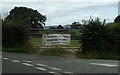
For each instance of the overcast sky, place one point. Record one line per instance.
(65, 12)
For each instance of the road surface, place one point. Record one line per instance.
(26, 63)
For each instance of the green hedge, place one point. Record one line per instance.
(14, 35)
(100, 37)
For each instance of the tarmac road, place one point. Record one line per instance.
(26, 63)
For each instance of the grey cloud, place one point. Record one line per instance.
(64, 12)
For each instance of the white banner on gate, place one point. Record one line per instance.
(56, 39)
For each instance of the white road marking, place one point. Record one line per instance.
(40, 68)
(106, 65)
(27, 61)
(15, 61)
(52, 72)
(67, 72)
(54, 68)
(41, 65)
(27, 64)
(5, 58)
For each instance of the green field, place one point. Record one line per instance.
(76, 31)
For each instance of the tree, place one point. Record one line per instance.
(15, 26)
(26, 16)
(117, 19)
(75, 25)
(52, 27)
(60, 27)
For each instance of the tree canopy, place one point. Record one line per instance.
(52, 27)
(60, 27)
(117, 19)
(75, 25)
(24, 15)
(15, 25)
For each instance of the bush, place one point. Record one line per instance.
(100, 40)
(95, 36)
(114, 30)
(14, 35)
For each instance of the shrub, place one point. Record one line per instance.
(14, 35)
(114, 31)
(95, 36)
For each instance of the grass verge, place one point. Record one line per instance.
(53, 52)
(18, 49)
(98, 55)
